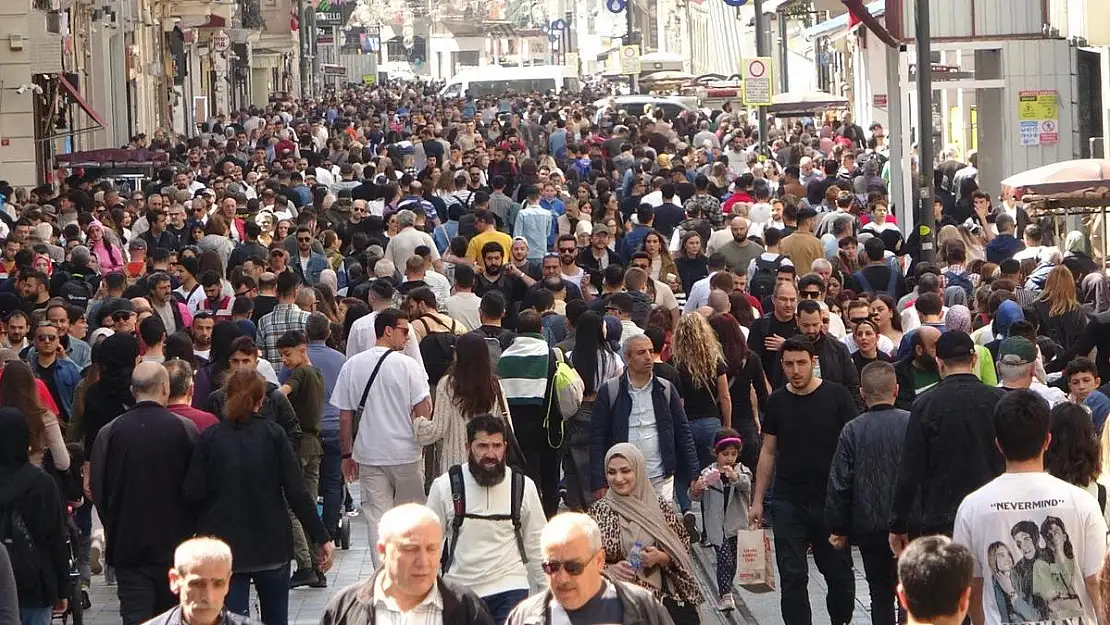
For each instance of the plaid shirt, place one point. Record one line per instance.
(284, 318)
(706, 207)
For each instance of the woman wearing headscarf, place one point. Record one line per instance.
(1095, 293)
(109, 254)
(110, 396)
(959, 318)
(638, 525)
(32, 493)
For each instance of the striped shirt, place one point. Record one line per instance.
(387, 612)
(285, 317)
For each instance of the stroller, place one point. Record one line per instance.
(78, 596)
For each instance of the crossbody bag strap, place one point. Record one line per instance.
(366, 391)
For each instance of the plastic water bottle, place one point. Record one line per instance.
(635, 556)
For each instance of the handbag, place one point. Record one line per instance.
(684, 612)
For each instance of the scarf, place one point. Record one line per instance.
(524, 369)
(642, 515)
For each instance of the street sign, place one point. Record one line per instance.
(1038, 117)
(630, 60)
(758, 81)
(221, 42)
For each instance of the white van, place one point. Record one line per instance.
(494, 80)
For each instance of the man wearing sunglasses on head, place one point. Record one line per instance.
(577, 592)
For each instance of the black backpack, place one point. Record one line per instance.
(437, 349)
(16, 537)
(458, 500)
(766, 272)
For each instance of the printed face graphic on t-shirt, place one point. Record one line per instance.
(1034, 574)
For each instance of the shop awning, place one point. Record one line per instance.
(841, 22)
(81, 102)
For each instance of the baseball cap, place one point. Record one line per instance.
(137, 244)
(600, 229)
(955, 344)
(1017, 350)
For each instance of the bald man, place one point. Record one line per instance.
(740, 252)
(410, 539)
(138, 467)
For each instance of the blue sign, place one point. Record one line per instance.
(616, 6)
(559, 24)
(736, 3)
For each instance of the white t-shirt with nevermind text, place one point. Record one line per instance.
(385, 435)
(1035, 538)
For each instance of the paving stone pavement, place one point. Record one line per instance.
(306, 605)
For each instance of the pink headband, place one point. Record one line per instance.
(724, 442)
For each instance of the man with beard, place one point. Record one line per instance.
(834, 361)
(918, 372)
(769, 331)
(494, 519)
(509, 280)
(553, 280)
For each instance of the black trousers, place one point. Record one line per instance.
(880, 567)
(143, 592)
(542, 460)
(799, 525)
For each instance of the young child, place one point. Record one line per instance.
(724, 490)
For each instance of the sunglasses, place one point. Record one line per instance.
(574, 568)
(49, 338)
(811, 294)
(568, 250)
(304, 239)
(404, 331)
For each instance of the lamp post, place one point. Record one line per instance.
(925, 219)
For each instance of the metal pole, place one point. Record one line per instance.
(761, 50)
(302, 34)
(925, 219)
(635, 78)
(784, 52)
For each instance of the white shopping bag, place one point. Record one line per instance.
(755, 564)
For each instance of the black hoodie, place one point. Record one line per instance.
(32, 495)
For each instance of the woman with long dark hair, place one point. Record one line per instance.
(111, 395)
(691, 261)
(596, 363)
(747, 385)
(46, 433)
(1074, 455)
(210, 377)
(468, 389)
(242, 474)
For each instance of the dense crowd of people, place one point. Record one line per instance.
(488, 311)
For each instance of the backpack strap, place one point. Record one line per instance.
(514, 511)
(458, 501)
(862, 280)
(366, 391)
(893, 281)
(1101, 497)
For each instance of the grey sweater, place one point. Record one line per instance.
(725, 506)
(9, 600)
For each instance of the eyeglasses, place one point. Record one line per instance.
(811, 294)
(574, 568)
(49, 338)
(404, 331)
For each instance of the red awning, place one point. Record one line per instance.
(73, 93)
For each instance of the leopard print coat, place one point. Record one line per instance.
(681, 584)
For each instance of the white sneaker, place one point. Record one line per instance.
(726, 603)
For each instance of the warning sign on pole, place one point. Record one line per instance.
(758, 81)
(630, 59)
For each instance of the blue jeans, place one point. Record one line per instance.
(702, 429)
(331, 479)
(35, 616)
(502, 603)
(272, 587)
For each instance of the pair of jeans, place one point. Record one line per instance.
(37, 616)
(702, 430)
(502, 603)
(331, 480)
(799, 525)
(143, 592)
(272, 588)
(881, 569)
